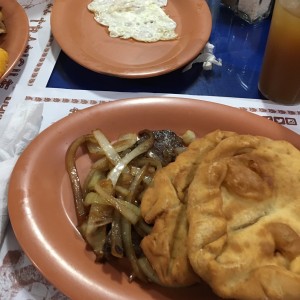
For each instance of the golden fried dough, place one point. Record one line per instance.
(3, 53)
(3, 61)
(2, 25)
(243, 213)
(164, 205)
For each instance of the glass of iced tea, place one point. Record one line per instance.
(280, 75)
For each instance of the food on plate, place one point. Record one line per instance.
(2, 24)
(243, 212)
(3, 53)
(142, 20)
(3, 61)
(109, 198)
(239, 199)
(223, 209)
(164, 204)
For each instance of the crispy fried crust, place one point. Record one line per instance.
(243, 213)
(228, 211)
(164, 205)
(2, 25)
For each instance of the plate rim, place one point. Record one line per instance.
(14, 4)
(111, 70)
(129, 103)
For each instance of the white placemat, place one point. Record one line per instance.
(37, 62)
(67, 100)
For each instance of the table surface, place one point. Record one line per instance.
(240, 46)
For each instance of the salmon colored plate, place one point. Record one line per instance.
(89, 44)
(16, 38)
(41, 204)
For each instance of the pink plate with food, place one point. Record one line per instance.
(89, 44)
(15, 39)
(41, 205)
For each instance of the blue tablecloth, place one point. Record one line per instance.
(240, 46)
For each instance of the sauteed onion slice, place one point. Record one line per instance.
(107, 203)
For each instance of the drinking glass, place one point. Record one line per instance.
(280, 75)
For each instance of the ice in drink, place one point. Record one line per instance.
(280, 75)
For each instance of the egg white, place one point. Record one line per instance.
(142, 20)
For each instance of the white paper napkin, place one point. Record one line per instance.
(17, 129)
(206, 57)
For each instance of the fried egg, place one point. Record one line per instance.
(142, 20)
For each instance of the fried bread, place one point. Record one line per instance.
(164, 204)
(227, 211)
(243, 213)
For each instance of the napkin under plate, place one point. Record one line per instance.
(17, 129)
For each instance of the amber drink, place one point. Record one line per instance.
(280, 76)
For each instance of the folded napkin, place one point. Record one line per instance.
(206, 57)
(17, 129)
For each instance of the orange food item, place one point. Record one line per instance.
(3, 61)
